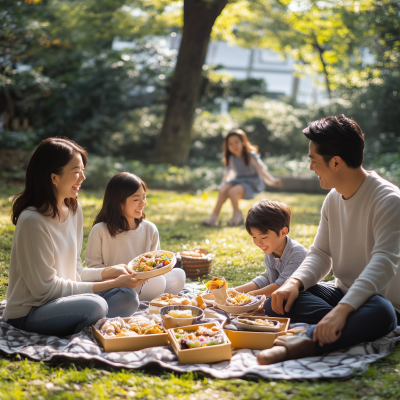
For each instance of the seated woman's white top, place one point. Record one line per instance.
(103, 250)
(45, 262)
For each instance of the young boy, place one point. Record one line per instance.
(268, 222)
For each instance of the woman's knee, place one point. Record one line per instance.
(94, 308)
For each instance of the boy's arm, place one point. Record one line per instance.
(266, 291)
(247, 287)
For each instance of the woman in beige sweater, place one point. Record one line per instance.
(49, 291)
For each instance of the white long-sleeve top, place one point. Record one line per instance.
(103, 250)
(360, 239)
(45, 262)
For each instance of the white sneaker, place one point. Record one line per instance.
(237, 219)
(212, 220)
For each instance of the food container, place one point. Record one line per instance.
(130, 343)
(258, 328)
(155, 272)
(242, 309)
(201, 355)
(172, 322)
(257, 340)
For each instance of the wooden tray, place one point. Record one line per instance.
(201, 355)
(130, 343)
(256, 340)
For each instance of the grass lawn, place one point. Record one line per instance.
(178, 218)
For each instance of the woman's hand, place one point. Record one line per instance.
(115, 271)
(128, 281)
(277, 182)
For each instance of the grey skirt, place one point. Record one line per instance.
(252, 185)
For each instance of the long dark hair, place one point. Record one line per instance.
(51, 156)
(247, 146)
(120, 187)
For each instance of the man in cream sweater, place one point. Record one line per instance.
(358, 238)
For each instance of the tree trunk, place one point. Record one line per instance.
(173, 144)
(321, 57)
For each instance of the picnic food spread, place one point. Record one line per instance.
(237, 299)
(149, 262)
(202, 337)
(180, 313)
(140, 325)
(257, 322)
(216, 283)
(167, 299)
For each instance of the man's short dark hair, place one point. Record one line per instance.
(337, 136)
(268, 215)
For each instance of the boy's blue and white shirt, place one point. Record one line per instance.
(277, 270)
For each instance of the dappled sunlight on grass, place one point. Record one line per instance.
(178, 217)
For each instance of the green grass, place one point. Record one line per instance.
(178, 218)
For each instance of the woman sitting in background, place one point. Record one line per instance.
(49, 291)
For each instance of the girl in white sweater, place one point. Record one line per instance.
(120, 233)
(49, 291)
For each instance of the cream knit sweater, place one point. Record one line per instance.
(103, 250)
(45, 262)
(359, 239)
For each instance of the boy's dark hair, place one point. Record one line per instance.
(337, 136)
(268, 215)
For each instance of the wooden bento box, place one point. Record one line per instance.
(201, 355)
(256, 340)
(130, 343)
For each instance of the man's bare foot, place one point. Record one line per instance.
(288, 348)
(272, 356)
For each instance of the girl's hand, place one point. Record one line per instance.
(115, 271)
(128, 281)
(277, 182)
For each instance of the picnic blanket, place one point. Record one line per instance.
(244, 362)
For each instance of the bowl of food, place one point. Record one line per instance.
(240, 303)
(153, 263)
(258, 324)
(175, 316)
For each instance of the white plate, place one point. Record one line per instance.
(255, 328)
(210, 299)
(241, 309)
(156, 272)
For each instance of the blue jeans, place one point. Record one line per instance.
(374, 319)
(68, 315)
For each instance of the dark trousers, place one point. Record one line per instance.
(374, 319)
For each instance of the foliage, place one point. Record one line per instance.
(238, 259)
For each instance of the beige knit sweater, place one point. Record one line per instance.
(359, 239)
(45, 262)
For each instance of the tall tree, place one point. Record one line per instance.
(174, 141)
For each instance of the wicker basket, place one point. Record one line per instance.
(196, 267)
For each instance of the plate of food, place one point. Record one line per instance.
(175, 316)
(168, 299)
(258, 324)
(153, 263)
(231, 301)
